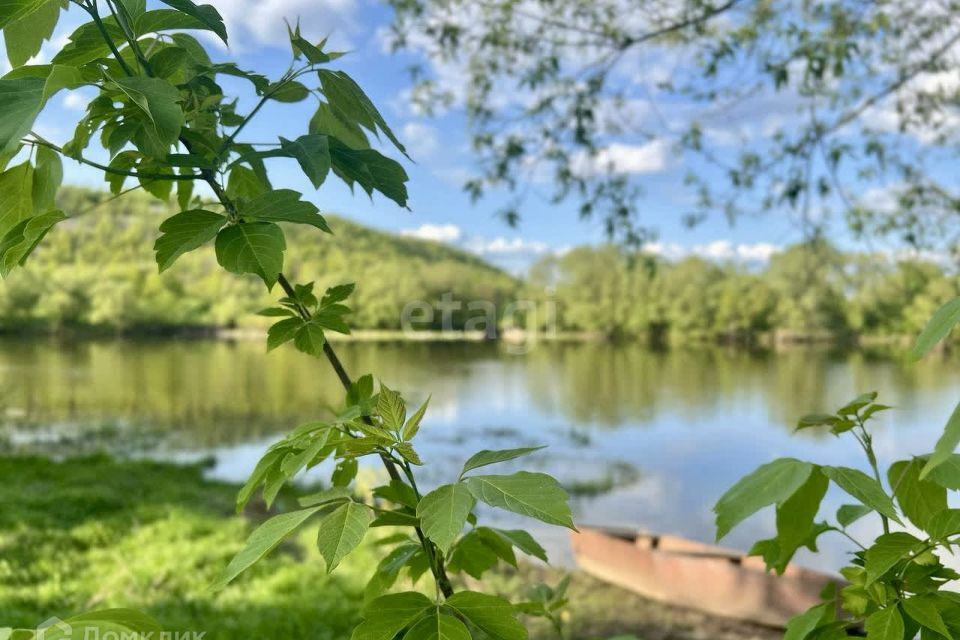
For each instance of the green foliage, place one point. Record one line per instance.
(808, 291)
(100, 258)
(897, 582)
(106, 621)
(163, 119)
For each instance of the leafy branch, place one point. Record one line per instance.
(162, 116)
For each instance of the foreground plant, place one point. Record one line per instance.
(163, 120)
(898, 585)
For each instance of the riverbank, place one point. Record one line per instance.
(95, 532)
(778, 340)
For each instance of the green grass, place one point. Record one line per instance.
(94, 533)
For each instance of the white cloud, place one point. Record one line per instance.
(261, 22)
(624, 158)
(76, 100)
(435, 232)
(420, 139)
(456, 176)
(717, 250)
(506, 246)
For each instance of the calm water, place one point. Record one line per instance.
(665, 432)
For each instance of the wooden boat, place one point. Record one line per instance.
(699, 576)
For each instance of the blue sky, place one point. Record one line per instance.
(440, 209)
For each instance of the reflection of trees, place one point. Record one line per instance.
(612, 385)
(217, 392)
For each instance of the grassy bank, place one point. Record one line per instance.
(94, 533)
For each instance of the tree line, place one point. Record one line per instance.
(100, 275)
(809, 291)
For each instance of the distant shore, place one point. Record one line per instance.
(775, 340)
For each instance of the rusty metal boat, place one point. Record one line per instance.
(699, 576)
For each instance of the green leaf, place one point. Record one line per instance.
(487, 457)
(472, 554)
(937, 328)
(923, 609)
(523, 541)
(185, 231)
(47, 177)
(204, 13)
(13, 10)
(87, 43)
(26, 35)
(849, 513)
(864, 488)
(398, 493)
(947, 473)
(351, 104)
(816, 420)
(852, 407)
(438, 626)
(282, 332)
(409, 454)
(800, 627)
(160, 102)
(388, 615)
(944, 524)
(344, 472)
(370, 169)
(333, 494)
(254, 247)
(339, 293)
(795, 518)
(313, 154)
(886, 624)
(919, 500)
(769, 484)
(443, 513)
(256, 478)
(309, 339)
(391, 408)
(535, 495)
(494, 616)
(887, 551)
(328, 122)
(20, 102)
(289, 91)
(412, 426)
(16, 196)
(17, 245)
(245, 184)
(342, 531)
(262, 541)
(61, 77)
(946, 444)
(284, 205)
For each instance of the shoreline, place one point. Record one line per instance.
(776, 340)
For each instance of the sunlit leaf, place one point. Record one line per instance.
(443, 513)
(341, 531)
(185, 232)
(262, 541)
(535, 495)
(254, 247)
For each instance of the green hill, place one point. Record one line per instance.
(97, 271)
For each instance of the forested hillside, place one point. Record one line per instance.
(97, 270)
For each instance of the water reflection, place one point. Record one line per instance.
(688, 422)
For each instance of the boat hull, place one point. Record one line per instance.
(698, 576)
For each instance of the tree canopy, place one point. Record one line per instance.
(802, 108)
